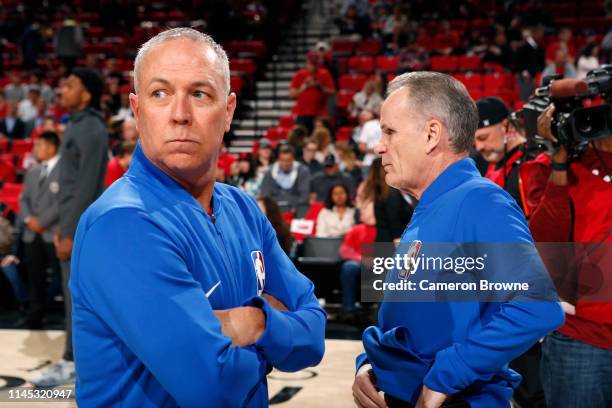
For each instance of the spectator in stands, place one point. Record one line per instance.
(322, 136)
(32, 44)
(323, 181)
(119, 164)
(39, 208)
(48, 125)
(3, 105)
(11, 126)
(367, 137)
(287, 181)
(129, 131)
(9, 262)
(27, 109)
(588, 60)
(112, 97)
(351, 251)
(338, 216)
(15, 91)
(37, 80)
(84, 156)
(446, 40)
(68, 42)
(125, 111)
(251, 181)
(273, 213)
(476, 42)
(529, 60)
(564, 42)
(347, 161)
(308, 156)
(311, 86)
(225, 158)
(265, 157)
(499, 52)
(296, 137)
(561, 66)
(412, 57)
(352, 23)
(367, 99)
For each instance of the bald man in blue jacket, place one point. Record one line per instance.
(182, 295)
(450, 353)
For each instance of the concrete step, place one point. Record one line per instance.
(284, 66)
(249, 133)
(280, 93)
(244, 141)
(280, 76)
(238, 150)
(265, 105)
(254, 124)
(270, 85)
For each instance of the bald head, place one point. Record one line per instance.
(208, 46)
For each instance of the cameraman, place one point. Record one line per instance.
(499, 142)
(575, 205)
(502, 145)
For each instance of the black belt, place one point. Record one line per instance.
(393, 402)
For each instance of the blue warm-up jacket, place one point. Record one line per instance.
(460, 348)
(146, 255)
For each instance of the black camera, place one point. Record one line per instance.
(573, 124)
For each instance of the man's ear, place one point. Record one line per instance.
(433, 129)
(134, 105)
(229, 110)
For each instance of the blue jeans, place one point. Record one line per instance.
(575, 374)
(350, 273)
(12, 275)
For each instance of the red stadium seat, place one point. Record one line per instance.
(471, 81)
(496, 82)
(470, 63)
(361, 64)
(387, 63)
(8, 173)
(391, 77)
(286, 121)
(444, 63)
(243, 65)
(3, 145)
(368, 47)
(277, 133)
(344, 97)
(492, 67)
(344, 134)
(21, 147)
(236, 84)
(353, 82)
(343, 47)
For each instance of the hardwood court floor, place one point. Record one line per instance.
(327, 385)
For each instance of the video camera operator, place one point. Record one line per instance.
(574, 204)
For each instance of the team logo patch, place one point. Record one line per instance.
(413, 252)
(260, 270)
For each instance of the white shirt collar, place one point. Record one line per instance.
(51, 163)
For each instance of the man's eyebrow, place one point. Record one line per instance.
(196, 84)
(387, 129)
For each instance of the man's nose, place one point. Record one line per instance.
(181, 110)
(380, 148)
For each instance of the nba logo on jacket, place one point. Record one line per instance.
(260, 270)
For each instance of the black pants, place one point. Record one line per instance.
(39, 256)
(393, 402)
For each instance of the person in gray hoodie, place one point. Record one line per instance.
(82, 167)
(287, 181)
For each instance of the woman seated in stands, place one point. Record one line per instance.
(273, 213)
(338, 216)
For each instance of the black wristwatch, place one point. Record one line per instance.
(559, 166)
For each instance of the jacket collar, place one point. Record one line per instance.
(144, 171)
(454, 175)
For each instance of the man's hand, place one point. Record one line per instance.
(63, 247)
(364, 390)
(544, 130)
(9, 260)
(34, 225)
(244, 325)
(274, 302)
(430, 398)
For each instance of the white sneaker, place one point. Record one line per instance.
(62, 372)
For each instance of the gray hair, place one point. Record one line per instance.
(183, 32)
(442, 97)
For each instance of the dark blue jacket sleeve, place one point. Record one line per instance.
(515, 327)
(133, 276)
(292, 339)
